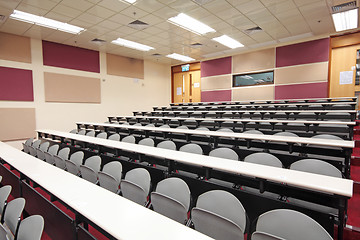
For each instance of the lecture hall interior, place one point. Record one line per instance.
(179, 119)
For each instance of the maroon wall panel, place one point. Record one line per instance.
(298, 91)
(64, 56)
(216, 96)
(303, 53)
(216, 67)
(16, 84)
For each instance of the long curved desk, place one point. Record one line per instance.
(116, 215)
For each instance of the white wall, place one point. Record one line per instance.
(119, 95)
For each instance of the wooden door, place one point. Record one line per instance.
(195, 88)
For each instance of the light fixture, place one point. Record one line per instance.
(190, 24)
(130, 1)
(180, 57)
(131, 44)
(45, 22)
(228, 41)
(345, 20)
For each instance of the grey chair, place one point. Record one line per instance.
(191, 148)
(264, 236)
(136, 185)
(89, 171)
(31, 228)
(224, 152)
(4, 194)
(147, 142)
(49, 155)
(102, 135)
(32, 151)
(12, 216)
(110, 176)
(128, 139)
(220, 215)
(164, 126)
(150, 125)
(167, 144)
(27, 143)
(59, 159)
(182, 127)
(263, 159)
(90, 133)
(73, 163)
(172, 199)
(114, 137)
(82, 132)
(36, 143)
(40, 152)
(290, 224)
(286, 134)
(75, 131)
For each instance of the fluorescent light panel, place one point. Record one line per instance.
(131, 44)
(45, 22)
(228, 41)
(190, 24)
(130, 1)
(180, 57)
(345, 20)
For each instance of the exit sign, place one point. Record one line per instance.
(185, 68)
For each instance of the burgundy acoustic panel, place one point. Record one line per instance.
(16, 84)
(216, 96)
(303, 53)
(64, 56)
(298, 91)
(216, 67)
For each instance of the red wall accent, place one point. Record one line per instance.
(64, 56)
(216, 96)
(216, 67)
(298, 91)
(16, 84)
(303, 53)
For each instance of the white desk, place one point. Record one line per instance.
(116, 215)
(245, 120)
(329, 185)
(262, 111)
(272, 138)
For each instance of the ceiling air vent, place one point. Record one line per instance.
(2, 18)
(156, 55)
(138, 25)
(196, 45)
(98, 41)
(344, 7)
(253, 30)
(202, 2)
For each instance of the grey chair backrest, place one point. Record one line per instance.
(286, 134)
(191, 148)
(74, 131)
(44, 146)
(102, 135)
(264, 236)
(77, 157)
(124, 123)
(202, 129)
(182, 127)
(150, 125)
(129, 139)
(110, 176)
(137, 124)
(224, 152)
(26, 148)
(13, 212)
(60, 162)
(327, 136)
(136, 185)
(32, 151)
(167, 145)
(53, 149)
(4, 194)
(263, 159)
(316, 166)
(90, 134)
(36, 143)
(73, 164)
(172, 199)
(29, 141)
(224, 130)
(40, 154)
(90, 169)
(114, 137)
(82, 132)
(253, 132)
(64, 153)
(290, 224)
(147, 142)
(31, 228)
(164, 126)
(222, 209)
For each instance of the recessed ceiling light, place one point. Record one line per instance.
(45, 22)
(228, 41)
(130, 1)
(345, 20)
(190, 24)
(180, 57)
(131, 44)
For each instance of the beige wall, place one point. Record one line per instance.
(119, 95)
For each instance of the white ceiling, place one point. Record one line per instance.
(281, 21)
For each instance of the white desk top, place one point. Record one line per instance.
(243, 120)
(273, 138)
(265, 111)
(316, 182)
(116, 215)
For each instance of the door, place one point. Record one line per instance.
(186, 87)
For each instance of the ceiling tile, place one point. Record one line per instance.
(153, 30)
(109, 24)
(151, 19)
(81, 5)
(31, 9)
(126, 30)
(45, 4)
(80, 23)
(67, 11)
(38, 32)
(183, 5)
(149, 5)
(9, 4)
(121, 19)
(247, 7)
(15, 27)
(112, 5)
(100, 11)
(228, 13)
(282, 6)
(59, 37)
(198, 13)
(87, 17)
(134, 12)
(166, 13)
(58, 17)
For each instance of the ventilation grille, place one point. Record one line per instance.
(252, 30)
(156, 55)
(98, 41)
(344, 7)
(196, 45)
(138, 25)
